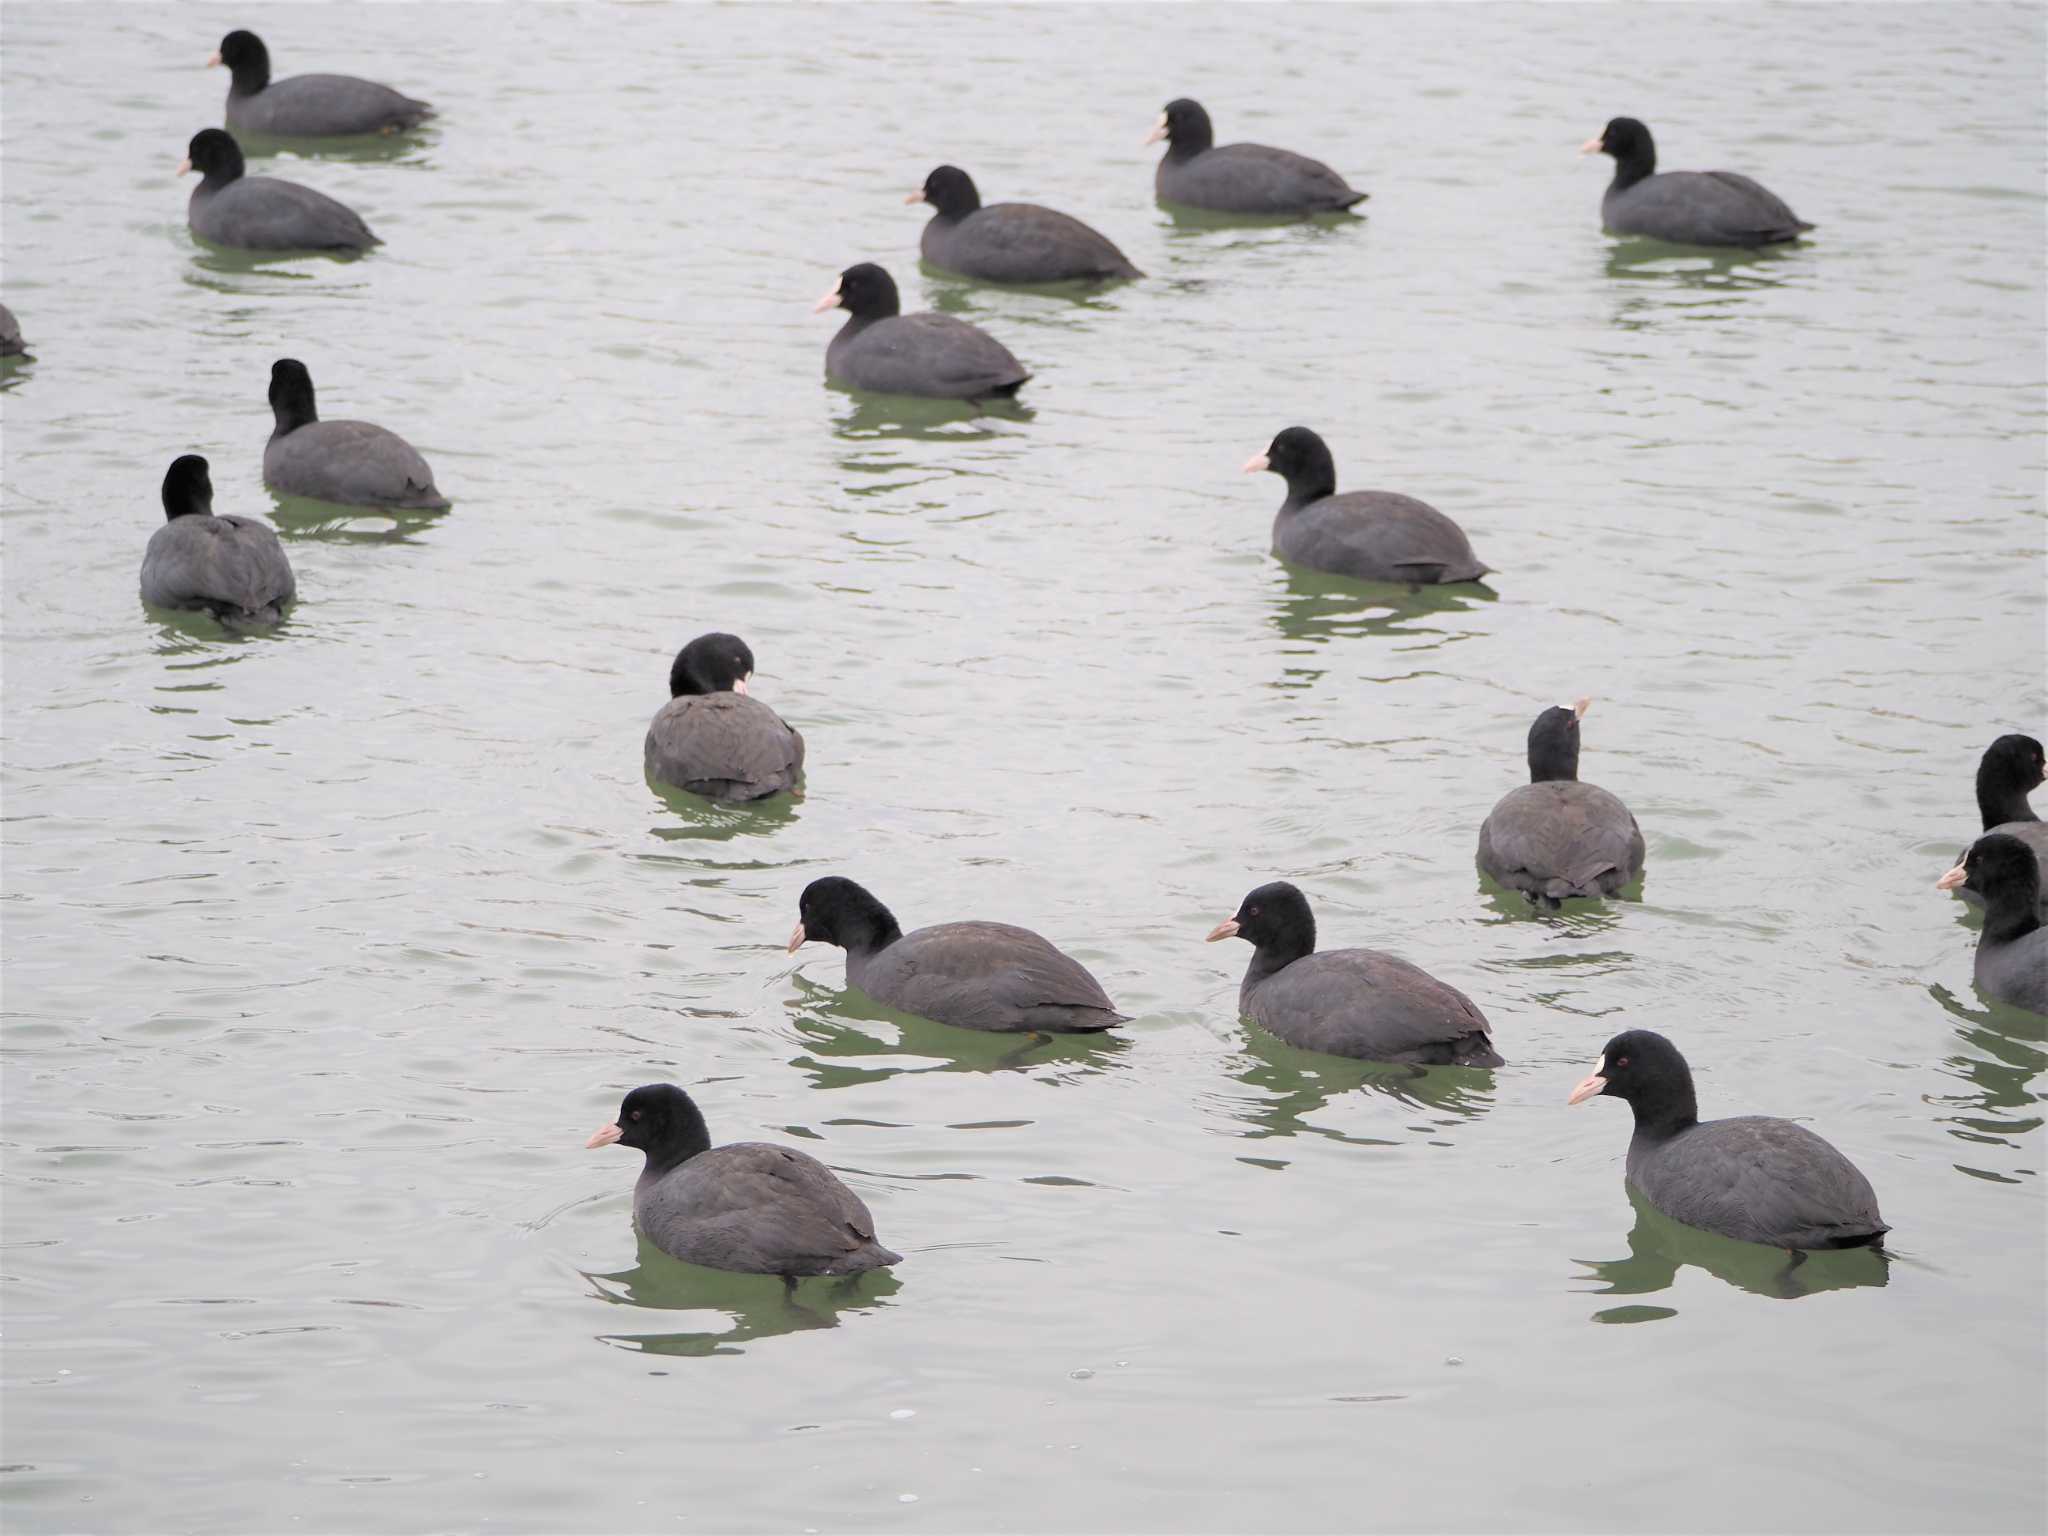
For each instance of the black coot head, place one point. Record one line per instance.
(1302, 459)
(214, 154)
(950, 191)
(291, 392)
(1628, 141)
(246, 58)
(2011, 765)
(711, 664)
(1276, 916)
(864, 291)
(188, 488)
(660, 1120)
(838, 911)
(1184, 125)
(2003, 870)
(1554, 742)
(1640, 1066)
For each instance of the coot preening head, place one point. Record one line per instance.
(713, 663)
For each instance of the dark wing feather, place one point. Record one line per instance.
(1759, 1180)
(261, 213)
(232, 566)
(989, 976)
(1560, 839)
(1377, 536)
(1367, 1004)
(355, 463)
(729, 746)
(1022, 243)
(924, 354)
(761, 1209)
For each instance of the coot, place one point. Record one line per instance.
(1239, 178)
(11, 344)
(307, 106)
(1685, 207)
(2011, 768)
(1009, 242)
(350, 462)
(232, 567)
(1372, 535)
(712, 737)
(261, 213)
(1348, 1002)
(922, 354)
(1754, 1178)
(2012, 952)
(973, 975)
(751, 1206)
(1556, 838)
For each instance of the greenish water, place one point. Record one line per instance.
(325, 951)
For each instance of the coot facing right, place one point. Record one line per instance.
(1556, 838)
(749, 1206)
(1239, 178)
(1754, 1178)
(1685, 207)
(2012, 952)
(712, 737)
(1348, 1002)
(307, 106)
(926, 354)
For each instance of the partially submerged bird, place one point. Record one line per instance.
(714, 738)
(307, 106)
(923, 354)
(750, 1206)
(974, 975)
(2012, 951)
(1685, 207)
(1370, 535)
(11, 344)
(1349, 1002)
(2012, 768)
(353, 463)
(1556, 837)
(232, 567)
(1009, 242)
(1239, 178)
(262, 213)
(1754, 1178)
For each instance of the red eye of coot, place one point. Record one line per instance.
(1619, 1061)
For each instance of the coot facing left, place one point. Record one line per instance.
(2012, 951)
(1685, 207)
(927, 354)
(262, 213)
(307, 106)
(1010, 242)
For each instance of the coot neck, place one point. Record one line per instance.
(866, 934)
(2013, 913)
(1310, 482)
(1275, 955)
(249, 77)
(1554, 761)
(686, 1138)
(1638, 165)
(291, 410)
(1664, 1110)
(1999, 803)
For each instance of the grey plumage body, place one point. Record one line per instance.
(322, 106)
(232, 567)
(1701, 208)
(758, 1209)
(1559, 839)
(354, 463)
(1376, 536)
(988, 976)
(1021, 243)
(1252, 178)
(2015, 971)
(727, 746)
(1759, 1180)
(261, 213)
(923, 354)
(1367, 1004)
(11, 344)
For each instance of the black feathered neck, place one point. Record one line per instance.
(188, 489)
(291, 395)
(2004, 871)
(663, 1122)
(247, 60)
(2009, 772)
(1554, 746)
(1646, 1070)
(838, 911)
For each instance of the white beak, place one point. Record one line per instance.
(831, 299)
(739, 684)
(797, 939)
(184, 165)
(1580, 706)
(1594, 145)
(1593, 1084)
(213, 59)
(1158, 130)
(1257, 462)
(914, 197)
(1952, 879)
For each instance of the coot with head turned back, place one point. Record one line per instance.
(1370, 535)
(1685, 207)
(2012, 952)
(1239, 178)
(354, 463)
(307, 106)
(714, 738)
(923, 354)
(749, 1206)
(1556, 838)
(1348, 1002)
(232, 567)
(261, 213)
(1753, 1178)
(975, 975)
(1010, 242)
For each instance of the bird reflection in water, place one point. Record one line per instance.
(1659, 1247)
(1292, 1086)
(750, 1306)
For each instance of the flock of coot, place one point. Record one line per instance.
(773, 1210)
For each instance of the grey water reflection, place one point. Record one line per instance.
(750, 1307)
(1659, 1247)
(301, 519)
(360, 149)
(1186, 220)
(1316, 608)
(2003, 1050)
(706, 820)
(1290, 1086)
(866, 416)
(851, 1039)
(1574, 915)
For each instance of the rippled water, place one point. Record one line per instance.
(325, 950)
